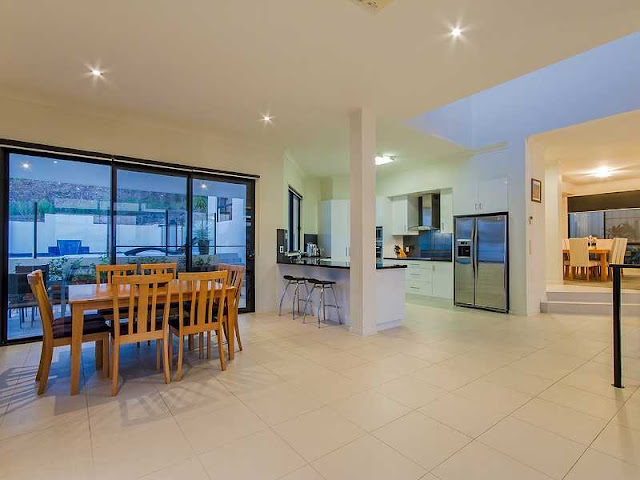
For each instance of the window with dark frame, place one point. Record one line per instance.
(295, 224)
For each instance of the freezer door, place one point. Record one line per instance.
(491, 262)
(464, 261)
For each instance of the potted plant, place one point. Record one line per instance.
(202, 240)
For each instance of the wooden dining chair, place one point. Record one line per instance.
(107, 272)
(579, 257)
(143, 321)
(566, 264)
(56, 332)
(618, 252)
(235, 278)
(200, 312)
(160, 269)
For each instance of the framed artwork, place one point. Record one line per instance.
(536, 190)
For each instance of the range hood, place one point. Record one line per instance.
(428, 212)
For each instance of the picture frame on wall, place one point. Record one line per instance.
(536, 190)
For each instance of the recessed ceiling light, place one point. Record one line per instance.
(266, 118)
(602, 172)
(26, 165)
(384, 159)
(95, 72)
(456, 32)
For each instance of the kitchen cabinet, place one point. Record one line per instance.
(383, 212)
(429, 279)
(334, 235)
(484, 196)
(446, 211)
(404, 214)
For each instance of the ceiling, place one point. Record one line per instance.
(223, 63)
(612, 142)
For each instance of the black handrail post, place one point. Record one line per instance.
(617, 327)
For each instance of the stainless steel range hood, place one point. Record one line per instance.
(429, 212)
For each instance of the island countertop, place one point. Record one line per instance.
(328, 263)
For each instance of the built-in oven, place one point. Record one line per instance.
(379, 244)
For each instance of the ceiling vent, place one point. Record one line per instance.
(373, 5)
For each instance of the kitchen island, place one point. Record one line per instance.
(390, 288)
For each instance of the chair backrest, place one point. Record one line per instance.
(619, 250)
(235, 278)
(579, 252)
(110, 271)
(36, 282)
(204, 291)
(160, 269)
(604, 243)
(143, 303)
(565, 244)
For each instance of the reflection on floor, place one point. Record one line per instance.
(453, 392)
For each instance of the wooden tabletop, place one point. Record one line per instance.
(591, 250)
(91, 292)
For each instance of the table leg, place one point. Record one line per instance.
(231, 340)
(77, 320)
(604, 266)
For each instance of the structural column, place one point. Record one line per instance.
(363, 229)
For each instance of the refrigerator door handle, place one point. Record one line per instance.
(474, 257)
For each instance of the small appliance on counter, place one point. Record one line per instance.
(312, 250)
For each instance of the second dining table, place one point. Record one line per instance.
(86, 297)
(602, 254)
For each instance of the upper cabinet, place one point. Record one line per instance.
(485, 196)
(334, 229)
(404, 214)
(446, 211)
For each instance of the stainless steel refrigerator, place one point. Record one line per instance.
(481, 262)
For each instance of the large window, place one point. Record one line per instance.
(59, 220)
(295, 214)
(151, 217)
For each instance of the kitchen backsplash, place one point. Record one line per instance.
(429, 244)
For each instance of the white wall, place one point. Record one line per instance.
(56, 122)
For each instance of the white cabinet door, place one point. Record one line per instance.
(493, 195)
(383, 212)
(446, 212)
(465, 200)
(442, 279)
(404, 214)
(340, 229)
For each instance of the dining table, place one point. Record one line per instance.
(87, 297)
(602, 254)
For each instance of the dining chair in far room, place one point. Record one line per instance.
(236, 274)
(618, 252)
(579, 257)
(160, 269)
(147, 295)
(604, 244)
(107, 272)
(56, 332)
(200, 311)
(565, 257)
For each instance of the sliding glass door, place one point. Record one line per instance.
(59, 216)
(150, 217)
(223, 228)
(64, 214)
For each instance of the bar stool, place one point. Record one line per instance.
(322, 286)
(296, 282)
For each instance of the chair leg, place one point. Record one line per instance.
(42, 356)
(115, 368)
(46, 365)
(237, 330)
(165, 360)
(170, 346)
(588, 272)
(105, 357)
(223, 362)
(190, 343)
(98, 354)
(200, 345)
(209, 345)
(180, 356)
(158, 354)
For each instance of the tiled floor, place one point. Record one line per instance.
(451, 395)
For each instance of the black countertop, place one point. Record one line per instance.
(328, 263)
(422, 259)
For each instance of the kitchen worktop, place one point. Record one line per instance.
(422, 259)
(328, 263)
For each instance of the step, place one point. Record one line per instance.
(588, 308)
(596, 296)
